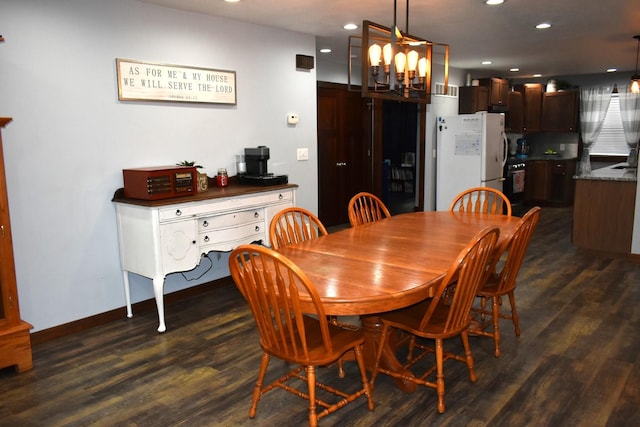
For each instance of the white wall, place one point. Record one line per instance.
(70, 137)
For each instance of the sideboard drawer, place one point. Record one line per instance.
(246, 233)
(223, 205)
(229, 220)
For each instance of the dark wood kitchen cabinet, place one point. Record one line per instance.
(498, 90)
(15, 340)
(550, 182)
(536, 181)
(514, 117)
(560, 111)
(472, 99)
(603, 215)
(531, 106)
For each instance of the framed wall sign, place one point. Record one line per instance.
(145, 81)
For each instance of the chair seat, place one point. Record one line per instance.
(491, 287)
(412, 316)
(342, 340)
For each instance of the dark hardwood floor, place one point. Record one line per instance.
(577, 362)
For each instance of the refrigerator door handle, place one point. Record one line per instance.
(505, 148)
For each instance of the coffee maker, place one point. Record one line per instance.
(257, 174)
(256, 160)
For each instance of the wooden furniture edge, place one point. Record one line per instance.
(212, 192)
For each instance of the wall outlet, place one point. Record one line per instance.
(561, 147)
(302, 154)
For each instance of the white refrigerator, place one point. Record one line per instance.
(471, 151)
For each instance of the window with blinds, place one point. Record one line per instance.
(611, 140)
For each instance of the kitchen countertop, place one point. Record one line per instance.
(516, 159)
(617, 172)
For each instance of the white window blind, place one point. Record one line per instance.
(611, 140)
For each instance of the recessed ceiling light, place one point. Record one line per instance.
(232, 1)
(350, 27)
(611, 70)
(514, 70)
(493, 2)
(543, 26)
(325, 50)
(537, 75)
(487, 62)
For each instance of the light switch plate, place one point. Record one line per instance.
(303, 154)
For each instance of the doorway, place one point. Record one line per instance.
(399, 150)
(367, 145)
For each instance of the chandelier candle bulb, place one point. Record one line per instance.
(412, 60)
(375, 52)
(386, 53)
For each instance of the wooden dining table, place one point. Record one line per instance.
(387, 265)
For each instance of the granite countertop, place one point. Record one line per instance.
(617, 172)
(516, 159)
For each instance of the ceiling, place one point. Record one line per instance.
(586, 37)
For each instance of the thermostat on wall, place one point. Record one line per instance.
(292, 119)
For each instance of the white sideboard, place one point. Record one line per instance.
(166, 236)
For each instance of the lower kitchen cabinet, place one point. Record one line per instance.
(603, 215)
(550, 182)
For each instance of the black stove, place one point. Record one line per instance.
(514, 173)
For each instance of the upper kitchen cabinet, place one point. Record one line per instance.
(513, 122)
(472, 99)
(560, 111)
(531, 106)
(498, 90)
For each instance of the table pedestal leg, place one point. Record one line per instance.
(372, 329)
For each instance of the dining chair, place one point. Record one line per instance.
(445, 315)
(481, 199)
(294, 225)
(366, 207)
(272, 284)
(498, 284)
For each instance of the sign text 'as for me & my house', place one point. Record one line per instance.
(143, 81)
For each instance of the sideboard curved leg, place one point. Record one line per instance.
(127, 293)
(158, 291)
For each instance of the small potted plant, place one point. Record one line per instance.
(203, 180)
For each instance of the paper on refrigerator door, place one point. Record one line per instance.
(467, 145)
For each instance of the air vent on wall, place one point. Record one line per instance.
(438, 90)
